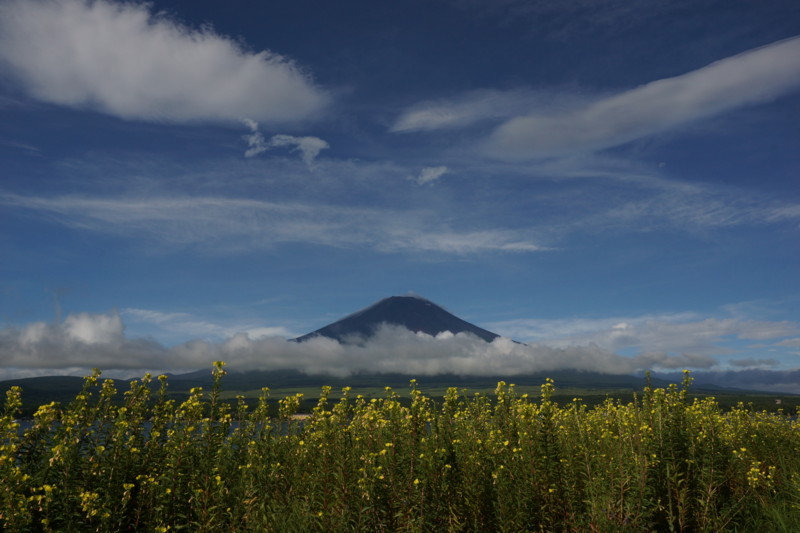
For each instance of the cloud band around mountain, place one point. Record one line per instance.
(98, 340)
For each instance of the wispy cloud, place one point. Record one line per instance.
(214, 225)
(565, 19)
(794, 343)
(469, 108)
(429, 174)
(125, 60)
(309, 147)
(183, 325)
(751, 77)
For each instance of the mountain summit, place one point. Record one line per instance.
(412, 312)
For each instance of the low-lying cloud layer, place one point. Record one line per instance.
(98, 340)
(679, 332)
(125, 60)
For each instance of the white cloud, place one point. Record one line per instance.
(226, 224)
(124, 60)
(429, 175)
(752, 77)
(82, 340)
(255, 140)
(182, 325)
(669, 333)
(94, 329)
(469, 108)
(463, 242)
(392, 349)
(309, 147)
(665, 342)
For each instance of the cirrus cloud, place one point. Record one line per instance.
(752, 77)
(231, 225)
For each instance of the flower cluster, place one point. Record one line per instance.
(463, 462)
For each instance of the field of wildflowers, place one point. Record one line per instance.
(472, 462)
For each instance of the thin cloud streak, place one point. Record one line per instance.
(470, 108)
(222, 224)
(752, 77)
(187, 325)
(124, 60)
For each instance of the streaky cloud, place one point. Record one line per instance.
(752, 77)
(469, 108)
(231, 225)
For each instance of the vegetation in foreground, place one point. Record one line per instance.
(500, 462)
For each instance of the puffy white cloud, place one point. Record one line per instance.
(82, 340)
(100, 343)
(666, 342)
(748, 78)
(94, 329)
(429, 175)
(122, 59)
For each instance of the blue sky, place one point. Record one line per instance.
(614, 183)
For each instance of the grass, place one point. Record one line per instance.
(506, 460)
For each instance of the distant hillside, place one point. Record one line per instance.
(412, 312)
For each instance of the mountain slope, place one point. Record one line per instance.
(412, 312)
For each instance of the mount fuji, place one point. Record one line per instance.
(412, 312)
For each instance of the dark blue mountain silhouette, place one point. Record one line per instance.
(412, 312)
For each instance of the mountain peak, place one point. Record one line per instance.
(413, 312)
